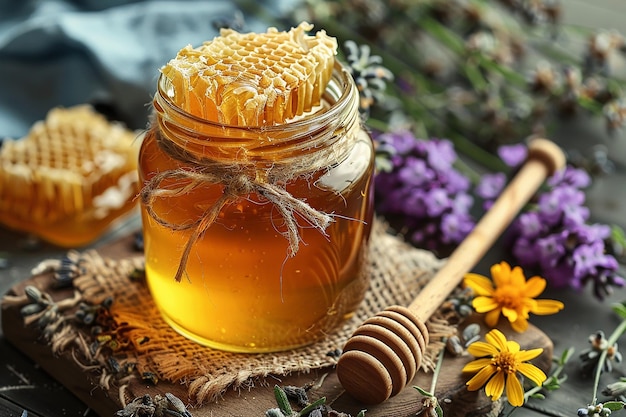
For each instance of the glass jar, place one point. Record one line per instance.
(255, 237)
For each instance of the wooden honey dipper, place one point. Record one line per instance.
(384, 353)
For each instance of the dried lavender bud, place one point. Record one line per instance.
(69, 269)
(274, 412)
(336, 353)
(138, 243)
(454, 346)
(34, 294)
(471, 334)
(30, 309)
(297, 394)
(177, 405)
(368, 73)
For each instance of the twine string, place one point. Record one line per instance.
(237, 184)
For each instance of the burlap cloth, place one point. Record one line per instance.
(128, 339)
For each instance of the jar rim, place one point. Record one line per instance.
(281, 143)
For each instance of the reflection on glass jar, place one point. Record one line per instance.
(255, 237)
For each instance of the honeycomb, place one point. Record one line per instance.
(69, 177)
(253, 79)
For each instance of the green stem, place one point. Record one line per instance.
(538, 388)
(612, 340)
(596, 380)
(433, 383)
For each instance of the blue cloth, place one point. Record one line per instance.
(106, 53)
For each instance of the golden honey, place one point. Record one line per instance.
(238, 280)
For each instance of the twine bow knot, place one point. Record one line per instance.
(237, 184)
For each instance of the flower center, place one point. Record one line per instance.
(505, 362)
(507, 296)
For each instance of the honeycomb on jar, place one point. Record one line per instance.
(70, 177)
(253, 79)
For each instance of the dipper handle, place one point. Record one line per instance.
(384, 353)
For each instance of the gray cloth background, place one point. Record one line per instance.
(103, 52)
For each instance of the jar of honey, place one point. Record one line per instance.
(256, 236)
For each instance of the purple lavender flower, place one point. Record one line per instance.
(489, 188)
(403, 142)
(490, 185)
(589, 259)
(423, 194)
(437, 202)
(453, 181)
(455, 226)
(551, 249)
(556, 239)
(574, 177)
(513, 155)
(440, 154)
(415, 172)
(530, 224)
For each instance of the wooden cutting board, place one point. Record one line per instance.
(260, 397)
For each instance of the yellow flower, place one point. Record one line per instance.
(512, 296)
(500, 361)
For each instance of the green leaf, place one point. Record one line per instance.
(439, 411)
(447, 37)
(423, 392)
(361, 413)
(618, 235)
(306, 410)
(566, 355)
(551, 384)
(614, 405)
(282, 401)
(619, 309)
(539, 396)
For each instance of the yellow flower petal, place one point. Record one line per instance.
(481, 378)
(520, 325)
(512, 346)
(480, 349)
(501, 274)
(534, 287)
(526, 355)
(497, 339)
(545, 307)
(517, 278)
(480, 284)
(528, 305)
(509, 313)
(476, 365)
(495, 386)
(492, 317)
(533, 373)
(514, 391)
(484, 304)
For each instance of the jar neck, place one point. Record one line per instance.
(326, 133)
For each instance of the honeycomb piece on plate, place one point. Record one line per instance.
(70, 177)
(253, 79)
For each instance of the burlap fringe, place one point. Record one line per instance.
(136, 343)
